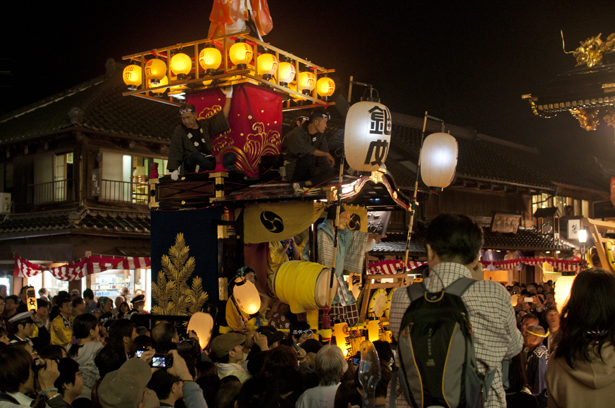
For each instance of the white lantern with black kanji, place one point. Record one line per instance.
(367, 135)
(439, 160)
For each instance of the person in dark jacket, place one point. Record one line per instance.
(191, 141)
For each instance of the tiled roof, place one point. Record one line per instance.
(527, 239)
(76, 221)
(102, 107)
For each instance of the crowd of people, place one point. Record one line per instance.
(86, 352)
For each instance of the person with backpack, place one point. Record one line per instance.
(451, 329)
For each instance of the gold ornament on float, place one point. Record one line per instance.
(591, 51)
(588, 118)
(171, 292)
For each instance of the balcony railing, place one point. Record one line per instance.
(51, 192)
(124, 192)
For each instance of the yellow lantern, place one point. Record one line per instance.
(438, 160)
(298, 99)
(306, 82)
(367, 135)
(286, 73)
(562, 290)
(246, 295)
(31, 294)
(162, 82)
(340, 331)
(133, 76)
(267, 65)
(240, 54)
(325, 87)
(210, 58)
(202, 324)
(373, 329)
(181, 65)
(155, 70)
(514, 299)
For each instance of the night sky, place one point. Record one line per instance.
(466, 62)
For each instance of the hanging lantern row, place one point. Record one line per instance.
(240, 54)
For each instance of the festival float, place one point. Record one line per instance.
(205, 226)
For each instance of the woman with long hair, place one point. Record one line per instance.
(123, 309)
(85, 349)
(582, 368)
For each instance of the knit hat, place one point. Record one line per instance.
(124, 388)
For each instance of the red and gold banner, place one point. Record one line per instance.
(255, 123)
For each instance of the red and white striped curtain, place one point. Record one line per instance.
(391, 266)
(79, 269)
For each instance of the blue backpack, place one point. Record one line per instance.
(436, 351)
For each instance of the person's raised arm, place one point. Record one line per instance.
(228, 92)
(193, 394)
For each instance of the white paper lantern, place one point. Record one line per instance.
(562, 291)
(439, 160)
(246, 295)
(367, 135)
(202, 324)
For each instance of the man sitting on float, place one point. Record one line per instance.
(306, 153)
(190, 149)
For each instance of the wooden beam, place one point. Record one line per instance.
(594, 229)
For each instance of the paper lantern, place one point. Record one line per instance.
(306, 82)
(267, 65)
(246, 295)
(31, 295)
(325, 87)
(373, 330)
(133, 76)
(340, 331)
(286, 73)
(202, 324)
(155, 70)
(438, 160)
(210, 58)
(562, 291)
(240, 54)
(293, 87)
(162, 82)
(514, 299)
(367, 136)
(181, 65)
